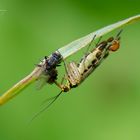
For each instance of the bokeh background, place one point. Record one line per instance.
(105, 107)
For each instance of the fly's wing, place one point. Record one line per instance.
(41, 81)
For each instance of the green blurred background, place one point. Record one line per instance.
(105, 107)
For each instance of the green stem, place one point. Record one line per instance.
(21, 85)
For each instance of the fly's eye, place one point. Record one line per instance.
(110, 39)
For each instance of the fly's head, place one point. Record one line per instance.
(53, 61)
(50, 65)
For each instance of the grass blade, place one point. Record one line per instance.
(65, 51)
(78, 44)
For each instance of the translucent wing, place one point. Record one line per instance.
(41, 81)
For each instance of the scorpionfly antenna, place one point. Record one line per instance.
(46, 107)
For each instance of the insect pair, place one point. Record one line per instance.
(77, 73)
